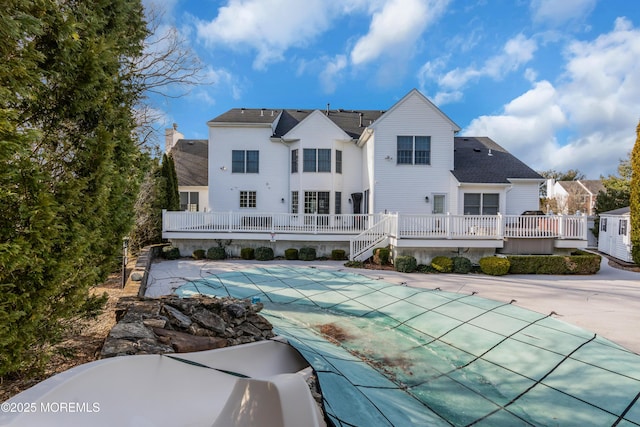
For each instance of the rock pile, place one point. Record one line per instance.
(180, 325)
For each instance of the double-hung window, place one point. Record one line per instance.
(316, 160)
(245, 161)
(338, 161)
(413, 150)
(622, 227)
(294, 161)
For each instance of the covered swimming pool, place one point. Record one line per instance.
(391, 355)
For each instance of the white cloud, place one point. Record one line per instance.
(397, 25)
(596, 103)
(515, 53)
(331, 73)
(555, 13)
(260, 26)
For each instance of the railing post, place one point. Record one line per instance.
(585, 225)
(561, 221)
(448, 225)
(500, 226)
(315, 223)
(164, 220)
(230, 221)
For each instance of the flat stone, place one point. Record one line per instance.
(251, 330)
(198, 330)
(176, 317)
(154, 347)
(136, 277)
(236, 310)
(210, 320)
(185, 343)
(118, 347)
(130, 331)
(155, 323)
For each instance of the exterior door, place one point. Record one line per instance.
(317, 202)
(438, 203)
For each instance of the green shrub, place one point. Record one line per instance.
(291, 254)
(170, 252)
(216, 253)
(381, 256)
(198, 254)
(307, 254)
(264, 253)
(579, 262)
(461, 265)
(423, 268)
(406, 264)
(494, 266)
(442, 264)
(635, 252)
(354, 264)
(247, 253)
(338, 254)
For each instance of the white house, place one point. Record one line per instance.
(571, 196)
(355, 179)
(615, 234)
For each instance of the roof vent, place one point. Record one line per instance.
(361, 115)
(328, 105)
(477, 150)
(242, 110)
(465, 139)
(262, 112)
(490, 154)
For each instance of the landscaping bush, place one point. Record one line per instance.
(461, 265)
(307, 254)
(338, 254)
(406, 264)
(381, 256)
(442, 264)
(354, 264)
(170, 252)
(494, 266)
(423, 268)
(247, 253)
(216, 253)
(579, 262)
(291, 254)
(198, 254)
(264, 253)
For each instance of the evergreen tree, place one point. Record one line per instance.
(635, 198)
(68, 176)
(170, 179)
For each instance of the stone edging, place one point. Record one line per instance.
(137, 281)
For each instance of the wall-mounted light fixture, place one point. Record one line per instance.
(349, 200)
(282, 200)
(388, 158)
(426, 199)
(223, 168)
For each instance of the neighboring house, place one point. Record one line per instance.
(573, 196)
(191, 157)
(615, 234)
(362, 178)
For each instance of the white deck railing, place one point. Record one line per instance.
(266, 222)
(402, 226)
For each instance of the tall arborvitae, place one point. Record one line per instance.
(171, 184)
(635, 198)
(68, 175)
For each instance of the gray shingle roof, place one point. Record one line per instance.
(347, 120)
(620, 211)
(473, 164)
(593, 185)
(191, 159)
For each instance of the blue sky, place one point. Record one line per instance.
(556, 82)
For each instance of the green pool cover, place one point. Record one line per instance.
(390, 355)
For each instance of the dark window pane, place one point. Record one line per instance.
(324, 160)
(294, 161)
(405, 150)
(338, 161)
(309, 160)
(490, 203)
(423, 150)
(253, 161)
(237, 161)
(472, 203)
(338, 203)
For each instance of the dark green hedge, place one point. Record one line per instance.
(264, 253)
(338, 254)
(406, 264)
(307, 254)
(216, 253)
(579, 262)
(247, 253)
(291, 254)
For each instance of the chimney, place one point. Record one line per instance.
(328, 105)
(171, 136)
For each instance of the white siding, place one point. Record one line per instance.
(402, 188)
(270, 184)
(318, 132)
(523, 196)
(611, 242)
